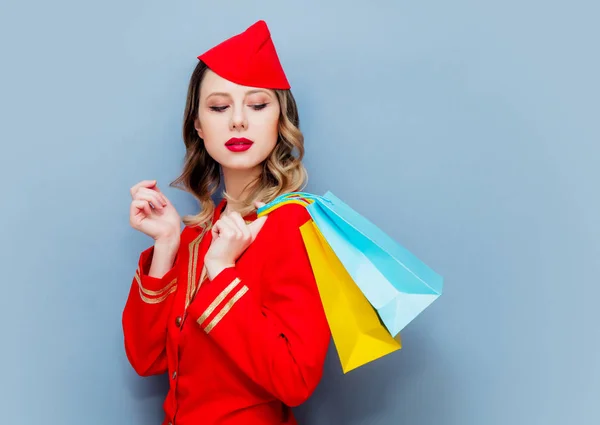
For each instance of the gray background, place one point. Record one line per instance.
(467, 130)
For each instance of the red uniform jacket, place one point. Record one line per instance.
(248, 345)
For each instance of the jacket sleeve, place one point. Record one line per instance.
(282, 342)
(145, 317)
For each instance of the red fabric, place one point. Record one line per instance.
(251, 343)
(249, 59)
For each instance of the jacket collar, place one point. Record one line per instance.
(221, 206)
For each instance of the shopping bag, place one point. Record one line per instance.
(358, 334)
(396, 283)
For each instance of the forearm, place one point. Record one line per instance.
(214, 267)
(147, 310)
(165, 252)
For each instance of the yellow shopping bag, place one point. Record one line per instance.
(358, 334)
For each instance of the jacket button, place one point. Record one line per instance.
(178, 321)
(174, 374)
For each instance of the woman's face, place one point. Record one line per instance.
(239, 124)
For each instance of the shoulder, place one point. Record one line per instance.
(288, 217)
(282, 244)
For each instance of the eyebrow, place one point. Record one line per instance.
(249, 92)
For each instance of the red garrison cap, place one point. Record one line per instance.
(249, 59)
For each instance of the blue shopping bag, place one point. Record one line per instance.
(397, 284)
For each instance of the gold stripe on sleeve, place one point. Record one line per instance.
(218, 300)
(156, 300)
(154, 293)
(226, 309)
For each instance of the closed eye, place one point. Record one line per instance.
(218, 108)
(259, 106)
(223, 108)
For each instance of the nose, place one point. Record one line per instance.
(238, 120)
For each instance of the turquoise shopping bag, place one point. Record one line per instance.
(396, 283)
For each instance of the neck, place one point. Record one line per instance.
(235, 185)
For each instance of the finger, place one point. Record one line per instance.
(151, 199)
(256, 225)
(225, 231)
(149, 186)
(241, 225)
(220, 228)
(143, 183)
(138, 206)
(215, 229)
(162, 197)
(155, 192)
(151, 196)
(232, 226)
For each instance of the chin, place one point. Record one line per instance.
(240, 165)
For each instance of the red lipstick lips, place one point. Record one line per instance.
(238, 144)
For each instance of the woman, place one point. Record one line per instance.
(229, 307)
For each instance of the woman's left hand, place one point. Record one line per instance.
(231, 236)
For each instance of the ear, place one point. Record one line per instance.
(197, 127)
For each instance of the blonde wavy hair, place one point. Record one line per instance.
(282, 172)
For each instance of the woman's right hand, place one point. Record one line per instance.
(152, 213)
